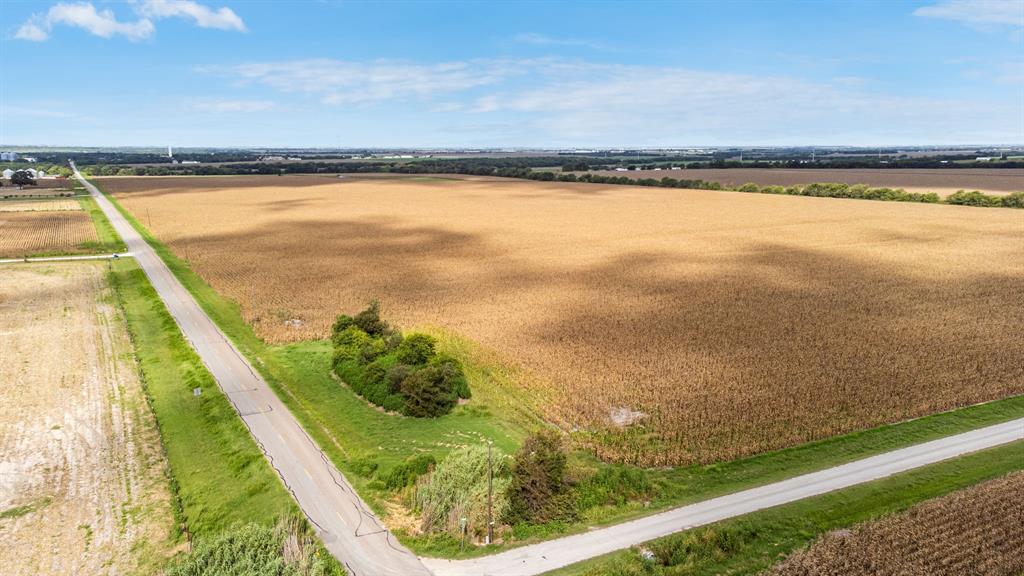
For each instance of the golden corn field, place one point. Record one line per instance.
(45, 205)
(663, 326)
(44, 232)
(976, 531)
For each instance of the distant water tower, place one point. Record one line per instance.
(170, 153)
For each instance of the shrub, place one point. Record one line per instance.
(406, 473)
(539, 491)
(749, 187)
(341, 323)
(369, 320)
(612, 485)
(708, 543)
(428, 393)
(395, 375)
(416, 349)
(255, 550)
(451, 370)
(973, 198)
(1015, 200)
(457, 488)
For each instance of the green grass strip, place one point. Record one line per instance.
(109, 241)
(219, 474)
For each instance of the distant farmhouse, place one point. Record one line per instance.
(8, 157)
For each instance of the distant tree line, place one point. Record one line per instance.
(820, 189)
(530, 168)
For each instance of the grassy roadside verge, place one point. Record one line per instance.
(356, 436)
(109, 241)
(359, 438)
(751, 543)
(219, 475)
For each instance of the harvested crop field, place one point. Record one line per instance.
(664, 326)
(28, 233)
(941, 181)
(82, 485)
(979, 530)
(39, 205)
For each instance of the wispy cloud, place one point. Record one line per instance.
(217, 106)
(977, 13)
(355, 83)
(203, 16)
(83, 15)
(543, 40)
(105, 24)
(579, 102)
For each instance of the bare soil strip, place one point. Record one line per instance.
(82, 484)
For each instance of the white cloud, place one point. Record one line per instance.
(105, 24)
(230, 106)
(977, 13)
(569, 102)
(354, 83)
(204, 16)
(83, 15)
(542, 40)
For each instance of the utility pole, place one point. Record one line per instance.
(490, 491)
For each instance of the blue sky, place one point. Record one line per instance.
(517, 74)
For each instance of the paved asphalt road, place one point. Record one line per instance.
(350, 531)
(540, 558)
(354, 535)
(66, 258)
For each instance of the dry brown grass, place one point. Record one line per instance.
(941, 181)
(82, 482)
(977, 531)
(737, 323)
(41, 232)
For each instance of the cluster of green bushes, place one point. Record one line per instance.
(818, 189)
(404, 374)
(976, 198)
(288, 549)
(840, 190)
(534, 490)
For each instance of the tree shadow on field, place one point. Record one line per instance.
(781, 345)
(350, 262)
(729, 353)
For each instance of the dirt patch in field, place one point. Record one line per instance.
(941, 181)
(82, 484)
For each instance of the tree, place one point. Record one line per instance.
(539, 491)
(415, 350)
(369, 320)
(22, 178)
(428, 393)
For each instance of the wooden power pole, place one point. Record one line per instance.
(490, 500)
